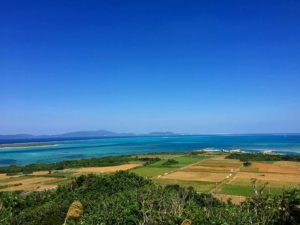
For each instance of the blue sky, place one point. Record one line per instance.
(139, 66)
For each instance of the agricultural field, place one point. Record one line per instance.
(28, 183)
(224, 177)
(200, 186)
(106, 169)
(44, 180)
(150, 172)
(206, 172)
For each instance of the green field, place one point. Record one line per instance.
(148, 171)
(233, 189)
(270, 183)
(182, 161)
(200, 186)
(158, 168)
(249, 169)
(219, 163)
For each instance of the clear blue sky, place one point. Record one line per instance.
(139, 66)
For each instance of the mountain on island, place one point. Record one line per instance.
(17, 136)
(98, 133)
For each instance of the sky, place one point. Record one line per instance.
(139, 66)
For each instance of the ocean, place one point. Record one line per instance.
(59, 150)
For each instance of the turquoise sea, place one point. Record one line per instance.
(59, 150)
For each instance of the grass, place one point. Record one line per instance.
(219, 163)
(206, 170)
(249, 169)
(271, 183)
(151, 171)
(266, 162)
(2, 186)
(233, 189)
(200, 186)
(182, 161)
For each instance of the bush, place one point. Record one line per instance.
(246, 163)
(262, 157)
(170, 162)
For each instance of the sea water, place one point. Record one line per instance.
(59, 150)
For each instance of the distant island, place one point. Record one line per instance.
(84, 134)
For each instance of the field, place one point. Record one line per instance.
(226, 178)
(28, 183)
(206, 172)
(200, 186)
(106, 169)
(196, 176)
(151, 171)
(43, 180)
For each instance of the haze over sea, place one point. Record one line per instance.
(59, 150)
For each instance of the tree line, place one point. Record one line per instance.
(263, 157)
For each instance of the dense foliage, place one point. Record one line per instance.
(170, 162)
(149, 160)
(262, 157)
(125, 198)
(105, 161)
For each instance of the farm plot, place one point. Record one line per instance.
(160, 168)
(200, 186)
(106, 169)
(196, 176)
(242, 190)
(150, 172)
(28, 183)
(290, 178)
(270, 183)
(180, 161)
(221, 162)
(276, 183)
(278, 167)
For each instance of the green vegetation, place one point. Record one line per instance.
(148, 171)
(148, 160)
(125, 198)
(200, 186)
(262, 157)
(170, 162)
(246, 163)
(234, 189)
(106, 161)
(181, 161)
(218, 163)
(159, 167)
(249, 169)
